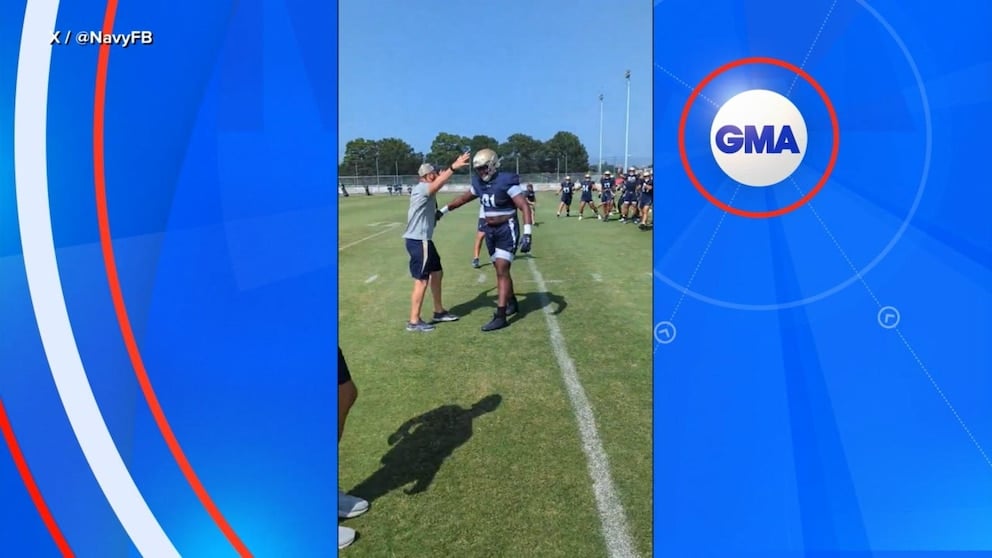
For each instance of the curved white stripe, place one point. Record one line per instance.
(41, 266)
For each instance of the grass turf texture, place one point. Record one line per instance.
(511, 479)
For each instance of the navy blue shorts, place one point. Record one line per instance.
(502, 240)
(646, 200)
(566, 199)
(482, 225)
(630, 197)
(424, 258)
(344, 375)
(587, 197)
(606, 197)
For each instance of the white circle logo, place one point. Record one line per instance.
(758, 138)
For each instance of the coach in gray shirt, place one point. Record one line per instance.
(425, 263)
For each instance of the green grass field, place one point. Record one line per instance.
(508, 477)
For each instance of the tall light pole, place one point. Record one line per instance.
(626, 141)
(600, 168)
(396, 167)
(377, 170)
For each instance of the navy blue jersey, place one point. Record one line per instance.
(586, 186)
(630, 183)
(530, 195)
(647, 188)
(496, 196)
(567, 187)
(606, 184)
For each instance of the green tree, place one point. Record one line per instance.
(483, 142)
(565, 153)
(529, 150)
(446, 148)
(397, 157)
(359, 158)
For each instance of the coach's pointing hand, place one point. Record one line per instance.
(461, 161)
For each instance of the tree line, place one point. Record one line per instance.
(520, 152)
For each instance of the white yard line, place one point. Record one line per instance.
(370, 279)
(613, 518)
(388, 228)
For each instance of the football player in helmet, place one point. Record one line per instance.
(606, 195)
(587, 186)
(629, 201)
(565, 190)
(647, 201)
(501, 197)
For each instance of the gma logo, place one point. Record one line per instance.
(731, 139)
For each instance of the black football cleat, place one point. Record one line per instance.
(512, 307)
(498, 322)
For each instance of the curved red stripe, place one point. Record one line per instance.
(116, 294)
(28, 480)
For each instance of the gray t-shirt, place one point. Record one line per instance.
(420, 218)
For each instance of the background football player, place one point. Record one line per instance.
(587, 187)
(479, 236)
(565, 190)
(606, 195)
(629, 200)
(532, 201)
(647, 201)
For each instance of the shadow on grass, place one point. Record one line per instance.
(483, 300)
(532, 302)
(528, 302)
(420, 446)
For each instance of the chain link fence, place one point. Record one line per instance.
(389, 183)
(400, 184)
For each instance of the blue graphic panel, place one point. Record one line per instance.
(217, 178)
(822, 376)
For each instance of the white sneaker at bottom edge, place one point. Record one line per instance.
(346, 536)
(351, 506)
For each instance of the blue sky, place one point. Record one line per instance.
(411, 69)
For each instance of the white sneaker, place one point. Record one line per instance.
(346, 536)
(351, 506)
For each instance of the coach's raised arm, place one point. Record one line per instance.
(437, 180)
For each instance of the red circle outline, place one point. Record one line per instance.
(835, 125)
